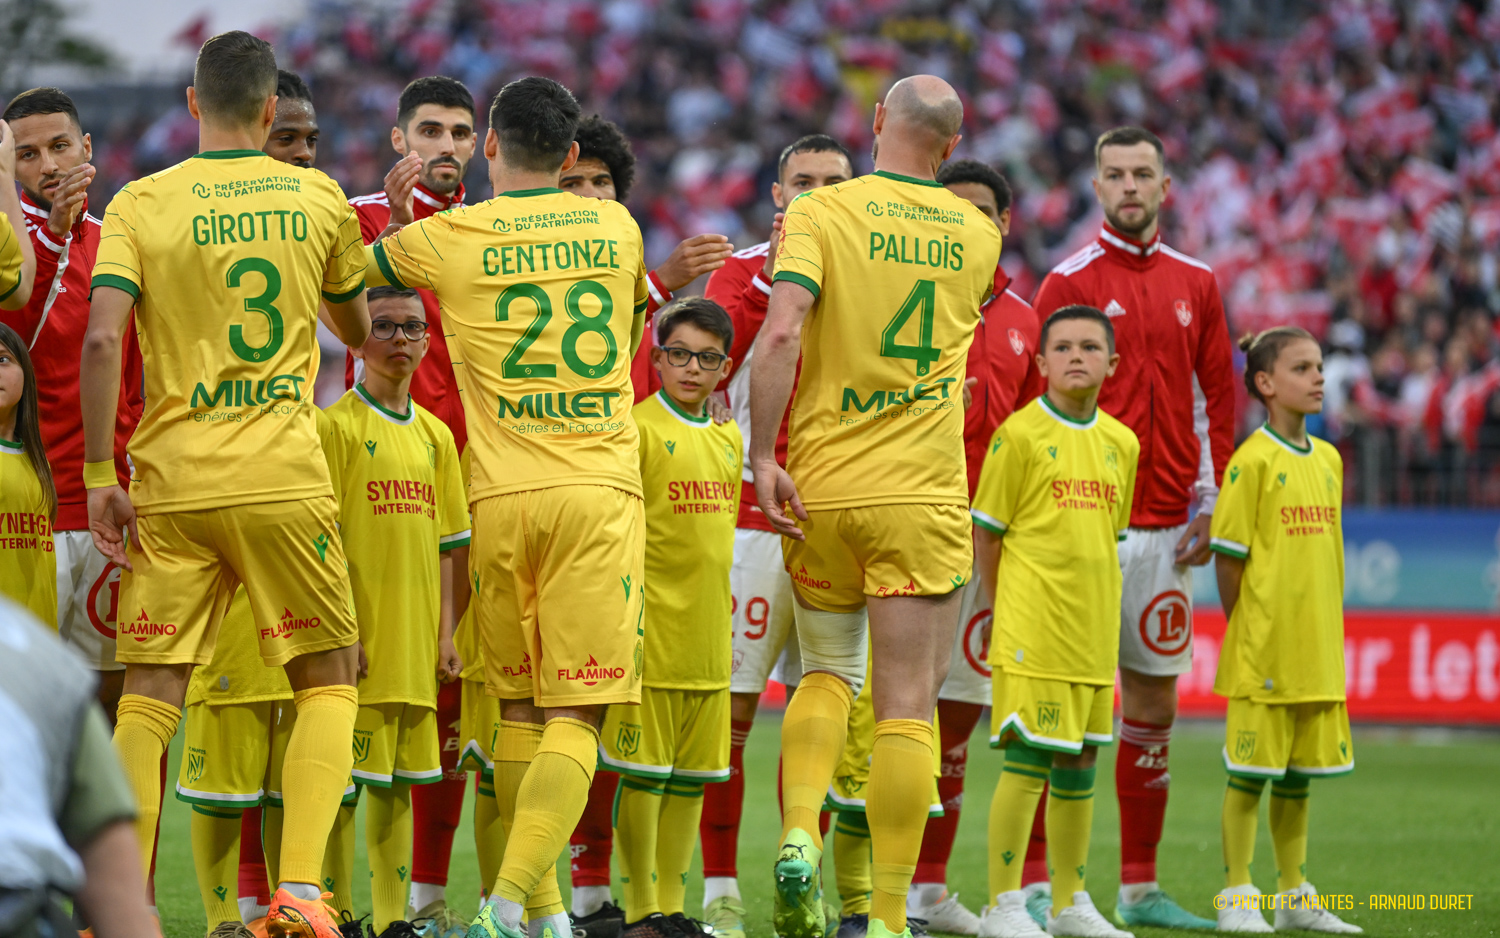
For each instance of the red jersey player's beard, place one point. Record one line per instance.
(443, 186)
(1134, 229)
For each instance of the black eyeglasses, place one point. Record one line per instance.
(679, 357)
(384, 329)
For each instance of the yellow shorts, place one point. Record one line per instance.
(187, 566)
(478, 725)
(1057, 715)
(229, 749)
(561, 592)
(1272, 740)
(396, 742)
(852, 775)
(672, 734)
(882, 550)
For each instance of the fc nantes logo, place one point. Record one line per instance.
(361, 745)
(1112, 457)
(640, 656)
(628, 741)
(731, 457)
(1244, 746)
(1048, 716)
(197, 762)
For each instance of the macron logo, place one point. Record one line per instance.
(1114, 309)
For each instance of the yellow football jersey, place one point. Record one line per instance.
(236, 674)
(10, 259)
(1279, 511)
(541, 287)
(899, 267)
(227, 255)
(690, 470)
(401, 503)
(1059, 490)
(28, 567)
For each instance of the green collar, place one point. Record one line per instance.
(227, 154)
(528, 193)
(11, 446)
(1299, 450)
(385, 412)
(676, 409)
(1065, 419)
(911, 179)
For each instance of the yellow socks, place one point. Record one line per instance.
(677, 835)
(489, 833)
(896, 806)
(1289, 830)
(1012, 810)
(1070, 815)
(216, 859)
(851, 862)
(270, 841)
(549, 803)
(1241, 808)
(143, 728)
(812, 741)
(515, 747)
(315, 773)
(338, 861)
(637, 823)
(388, 834)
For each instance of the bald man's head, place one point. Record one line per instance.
(925, 103)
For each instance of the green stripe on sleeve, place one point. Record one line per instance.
(800, 280)
(384, 263)
(344, 297)
(116, 281)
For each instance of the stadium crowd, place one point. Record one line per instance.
(1335, 163)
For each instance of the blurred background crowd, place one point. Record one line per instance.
(1336, 163)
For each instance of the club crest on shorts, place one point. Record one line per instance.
(977, 644)
(1244, 746)
(1048, 715)
(361, 745)
(1167, 624)
(628, 739)
(1017, 341)
(1184, 313)
(197, 763)
(103, 605)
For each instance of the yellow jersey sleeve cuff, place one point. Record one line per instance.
(1230, 548)
(116, 281)
(461, 539)
(13, 287)
(383, 265)
(99, 475)
(801, 280)
(987, 522)
(344, 297)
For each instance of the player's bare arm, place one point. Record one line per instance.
(10, 204)
(350, 320)
(449, 664)
(988, 547)
(691, 259)
(1229, 571)
(110, 511)
(772, 374)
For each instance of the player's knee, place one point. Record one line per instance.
(742, 707)
(1150, 698)
(324, 668)
(836, 642)
(522, 711)
(1080, 760)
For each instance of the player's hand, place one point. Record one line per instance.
(769, 267)
(400, 183)
(364, 661)
(1192, 549)
(969, 392)
(718, 411)
(111, 516)
(449, 665)
(692, 259)
(68, 201)
(773, 489)
(7, 152)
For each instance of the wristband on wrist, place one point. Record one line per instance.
(99, 475)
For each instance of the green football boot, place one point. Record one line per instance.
(487, 924)
(798, 910)
(1158, 910)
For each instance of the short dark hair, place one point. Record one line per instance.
(1128, 137)
(390, 293)
(434, 89)
(235, 74)
(812, 143)
(1079, 311)
(697, 311)
(36, 101)
(537, 122)
(976, 172)
(1262, 349)
(602, 140)
(289, 85)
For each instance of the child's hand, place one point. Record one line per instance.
(449, 664)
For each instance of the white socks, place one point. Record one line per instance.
(589, 899)
(717, 887)
(1135, 892)
(423, 895)
(925, 894)
(250, 910)
(307, 892)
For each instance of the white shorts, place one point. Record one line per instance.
(969, 670)
(88, 598)
(1156, 605)
(762, 618)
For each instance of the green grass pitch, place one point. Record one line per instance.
(1417, 817)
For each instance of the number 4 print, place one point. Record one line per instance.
(923, 296)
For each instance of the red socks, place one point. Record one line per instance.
(593, 838)
(1034, 868)
(956, 721)
(1141, 781)
(253, 878)
(722, 806)
(436, 808)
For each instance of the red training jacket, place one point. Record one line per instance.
(1175, 383)
(1002, 357)
(643, 378)
(53, 325)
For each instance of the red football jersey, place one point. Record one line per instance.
(53, 325)
(433, 386)
(1175, 383)
(1002, 357)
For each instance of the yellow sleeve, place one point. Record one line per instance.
(118, 262)
(1233, 528)
(10, 258)
(411, 257)
(799, 256)
(335, 453)
(344, 277)
(1001, 481)
(453, 504)
(1122, 508)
